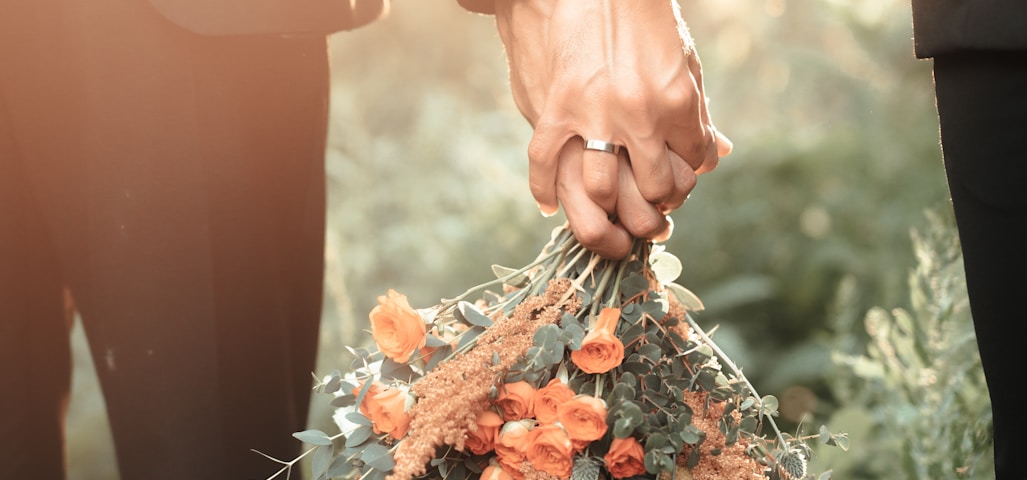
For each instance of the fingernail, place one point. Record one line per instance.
(547, 212)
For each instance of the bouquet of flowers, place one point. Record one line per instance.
(571, 367)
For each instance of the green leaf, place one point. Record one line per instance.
(769, 406)
(630, 418)
(748, 425)
(322, 459)
(633, 284)
(344, 401)
(438, 356)
(546, 336)
(472, 315)
(340, 467)
(378, 457)
(469, 336)
(651, 352)
(656, 461)
(692, 435)
(665, 266)
(358, 418)
(516, 280)
(334, 383)
(359, 436)
(433, 341)
(700, 355)
(572, 335)
(313, 437)
(686, 298)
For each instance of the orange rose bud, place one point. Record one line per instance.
(495, 472)
(389, 412)
(516, 401)
(601, 350)
(550, 450)
(373, 390)
(483, 440)
(584, 418)
(626, 458)
(549, 398)
(397, 329)
(511, 445)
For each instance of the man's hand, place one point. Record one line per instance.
(619, 71)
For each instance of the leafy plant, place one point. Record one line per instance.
(920, 381)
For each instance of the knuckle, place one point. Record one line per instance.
(590, 236)
(646, 226)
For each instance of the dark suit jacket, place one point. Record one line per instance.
(941, 26)
(234, 17)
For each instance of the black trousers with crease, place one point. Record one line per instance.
(982, 106)
(173, 184)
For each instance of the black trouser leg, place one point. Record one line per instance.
(982, 105)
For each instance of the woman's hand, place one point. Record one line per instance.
(618, 71)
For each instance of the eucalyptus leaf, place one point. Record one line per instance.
(321, 460)
(358, 436)
(358, 418)
(546, 336)
(433, 341)
(769, 406)
(340, 467)
(511, 276)
(686, 298)
(344, 401)
(572, 335)
(665, 266)
(439, 355)
(378, 457)
(651, 352)
(472, 315)
(313, 437)
(334, 383)
(633, 285)
(692, 435)
(469, 336)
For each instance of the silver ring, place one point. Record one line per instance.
(602, 146)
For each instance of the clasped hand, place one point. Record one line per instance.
(619, 71)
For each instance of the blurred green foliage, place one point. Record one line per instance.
(915, 394)
(836, 156)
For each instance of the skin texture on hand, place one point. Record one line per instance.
(621, 71)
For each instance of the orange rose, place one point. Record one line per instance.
(365, 405)
(549, 398)
(600, 350)
(625, 458)
(550, 450)
(483, 440)
(511, 445)
(397, 329)
(584, 418)
(389, 412)
(516, 401)
(495, 472)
